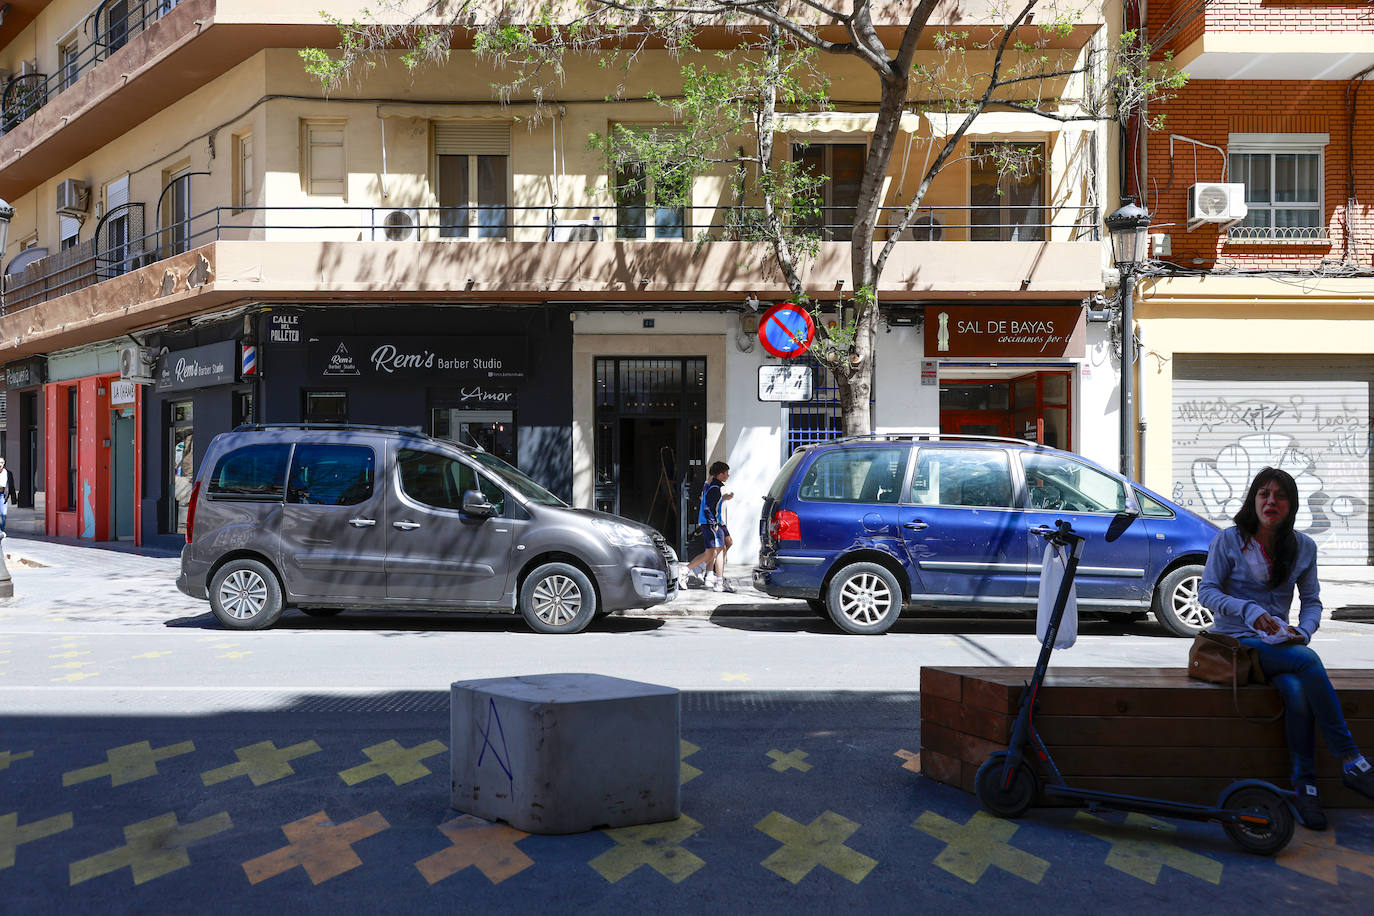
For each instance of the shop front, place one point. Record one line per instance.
(92, 448)
(23, 447)
(493, 378)
(1007, 370)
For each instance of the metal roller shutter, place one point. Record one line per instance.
(472, 138)
(1307, 415)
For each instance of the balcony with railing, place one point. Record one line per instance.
(1263, 40)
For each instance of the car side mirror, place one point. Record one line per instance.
(1132, 507)
(476, 505)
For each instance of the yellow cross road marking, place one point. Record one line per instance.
(324, 849)
(1144, 857)
(263, 762)
(972, 847)
(129, 763)
(1318, 855)
(152, 848)
(390, 759)
(688, 772)
(69, 654)
(8, 757)
(913, 761)
(819, 843)
(489, 847)
(796, 760)
(224, 645)
(239, 654)
(155, 654)
(71, 665)
(12, 836)
(734, 677)
(77, 676)
(655, 845)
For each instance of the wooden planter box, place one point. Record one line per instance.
(1140, 731)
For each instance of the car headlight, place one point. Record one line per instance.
(622, 535)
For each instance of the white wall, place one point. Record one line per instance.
(1098, 410)
(901, 402)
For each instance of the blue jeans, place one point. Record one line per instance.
(1309, 701)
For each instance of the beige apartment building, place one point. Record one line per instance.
(203, 238)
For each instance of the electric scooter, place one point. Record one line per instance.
(1254, 813)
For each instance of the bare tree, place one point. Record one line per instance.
(1014, 57)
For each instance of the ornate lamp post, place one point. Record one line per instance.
(1129, 228)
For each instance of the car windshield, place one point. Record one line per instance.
(517, 481)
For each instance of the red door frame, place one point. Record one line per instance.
(91, 518)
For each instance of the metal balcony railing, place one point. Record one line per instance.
(121, 246)
(107, 28)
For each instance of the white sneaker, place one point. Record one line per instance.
(723, 585)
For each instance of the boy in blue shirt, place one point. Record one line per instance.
(715, 536)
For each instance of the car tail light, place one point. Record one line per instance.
(191, 511)
(785, 526)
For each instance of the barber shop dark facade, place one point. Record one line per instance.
(498, 377)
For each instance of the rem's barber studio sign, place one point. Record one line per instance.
(198, 367)
(432, 359)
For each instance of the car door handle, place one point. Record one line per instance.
(406, 526)
(1043, 530)
(916, 525)
(362, 522)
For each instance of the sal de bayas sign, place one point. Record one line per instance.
(198, 367)
(1005, 330)
(432, 359)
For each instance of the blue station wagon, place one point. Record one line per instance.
(861, 527)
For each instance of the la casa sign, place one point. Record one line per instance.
(1012, 330)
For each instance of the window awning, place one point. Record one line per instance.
(431, 112)
(1003, 123)
(839, 122)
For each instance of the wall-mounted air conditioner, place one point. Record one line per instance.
(400, 225)
(136, 365)
(73, 197)
(1215, 202)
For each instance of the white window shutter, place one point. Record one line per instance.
(472, 138)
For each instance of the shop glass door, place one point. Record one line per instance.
(490, 430)
(182, 465)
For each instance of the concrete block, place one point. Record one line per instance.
(565, 753)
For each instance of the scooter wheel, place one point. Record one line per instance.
(1010, 800)
(1260, 839)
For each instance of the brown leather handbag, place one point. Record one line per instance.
(1220, 659)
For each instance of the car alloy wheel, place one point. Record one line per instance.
(557, 601)
(864, 599)
(1178, 604)
(243, 594)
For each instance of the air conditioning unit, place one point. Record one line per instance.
(397, 226)
(136, 365)
(1213, 202)
(73, 197)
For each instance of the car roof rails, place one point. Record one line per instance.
(344, 427)
(934, 437)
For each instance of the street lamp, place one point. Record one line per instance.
(1129, 228)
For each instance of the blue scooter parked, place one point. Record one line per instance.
(1255, 814)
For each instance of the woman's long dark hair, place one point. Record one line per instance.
(1285, 542)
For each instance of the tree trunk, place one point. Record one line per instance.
(856, 386)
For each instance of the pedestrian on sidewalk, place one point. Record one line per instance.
(1252, 570)
(715, 535)
(6, 493)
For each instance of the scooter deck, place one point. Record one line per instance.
(1141, 805)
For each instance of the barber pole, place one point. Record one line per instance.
(248, 364)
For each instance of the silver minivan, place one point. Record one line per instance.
(330, 517)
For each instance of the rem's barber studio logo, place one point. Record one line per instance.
(341, 362)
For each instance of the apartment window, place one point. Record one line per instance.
(1282, 174)
(1007, 192)
(68, 232)
(243, 171)
(842, 167)
(115, 33)
(323, 168)
(68, 64)
(472, 165)
(176, 211)
(634, 190)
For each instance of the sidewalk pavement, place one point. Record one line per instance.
(1347, 591)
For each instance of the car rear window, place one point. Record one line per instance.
(975, 477)
(251, 473)
(779, 486)
(331, 475)
(856, 475)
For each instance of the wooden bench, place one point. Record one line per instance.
(1139, 731)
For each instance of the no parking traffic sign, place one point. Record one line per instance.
(786, 330)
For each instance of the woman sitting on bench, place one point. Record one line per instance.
(1248, 585)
